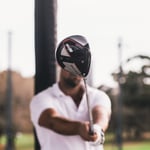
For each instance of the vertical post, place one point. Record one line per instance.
(9, 124)
(119, 102)
(45, 44)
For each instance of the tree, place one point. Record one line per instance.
(22, 92)
(136, 97)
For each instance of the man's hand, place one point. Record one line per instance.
(84, 132)
(100, 135)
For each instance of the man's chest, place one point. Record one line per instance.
(68, 108)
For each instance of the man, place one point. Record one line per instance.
(60, 115)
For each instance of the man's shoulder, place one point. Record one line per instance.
(45, 92)
(94, 89)
(98, 93)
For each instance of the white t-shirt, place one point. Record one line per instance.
(53, 97)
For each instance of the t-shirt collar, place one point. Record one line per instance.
(56, 90)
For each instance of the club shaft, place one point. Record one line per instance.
(89, 108)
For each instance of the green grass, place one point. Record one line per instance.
(26, 142)
(142, 145)
(129, 145)
(22, 142)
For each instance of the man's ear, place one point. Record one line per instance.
(58, 70)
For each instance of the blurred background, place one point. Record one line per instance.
(119, 36)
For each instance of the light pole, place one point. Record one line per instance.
(119, 100)
(9, 123)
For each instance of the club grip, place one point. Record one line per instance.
(91, 130)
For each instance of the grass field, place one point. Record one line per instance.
(26, 142)
(130, 146)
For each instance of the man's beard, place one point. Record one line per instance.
(71, 83)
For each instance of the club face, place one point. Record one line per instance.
(74, 59)
(72, 69)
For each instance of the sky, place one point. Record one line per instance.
(102, 22)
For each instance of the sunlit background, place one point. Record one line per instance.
(105, 24)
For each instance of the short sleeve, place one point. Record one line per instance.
(101, 98)
(38, 105)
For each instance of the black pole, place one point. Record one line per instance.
(45, 44)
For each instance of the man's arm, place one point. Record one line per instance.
(52, 120)
(101, 116)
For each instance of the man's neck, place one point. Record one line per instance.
(75, 92)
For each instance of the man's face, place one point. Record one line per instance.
(69, 79)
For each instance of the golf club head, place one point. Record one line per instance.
(73, 54)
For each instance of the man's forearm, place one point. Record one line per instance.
(64, 126)
(101, 116)
(52, 120)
